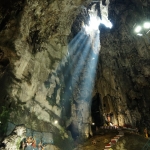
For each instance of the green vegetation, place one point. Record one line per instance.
(4, 116)
(18, 143)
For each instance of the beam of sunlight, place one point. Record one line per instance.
(83, 81)
(81, 55)
(84, 52)
(75, 41)
(79, 75)
(90, 67)
(75, 51)
(76, 64)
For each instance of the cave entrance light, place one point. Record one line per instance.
(104, 14)
(93, 24)
(83, 52)
(95, 20)
(92, 29)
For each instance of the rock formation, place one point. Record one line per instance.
(123, 74)
(47, 67)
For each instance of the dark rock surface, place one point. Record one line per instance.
(42, 48)
(123, 75)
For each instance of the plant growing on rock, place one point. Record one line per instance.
(4, 116)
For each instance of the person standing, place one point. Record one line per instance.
(146, 132)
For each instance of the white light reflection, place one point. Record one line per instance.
(108, 24)
(93, 24)
(55, 122)
(138, 29)
(95, 20)
(146, 25)
(139, 34)
(104, 14)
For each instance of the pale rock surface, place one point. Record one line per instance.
(13, 140)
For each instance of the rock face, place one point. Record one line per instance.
(123, 74)
(47, 67)
(14, 139)
(33, 56)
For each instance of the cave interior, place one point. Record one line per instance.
(67, 68)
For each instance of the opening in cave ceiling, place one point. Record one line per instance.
(84, 52)
(95, 20)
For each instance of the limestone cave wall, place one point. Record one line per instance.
(39, 78)
(123, 75)
(34, 37)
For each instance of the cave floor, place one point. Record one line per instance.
(130, 141)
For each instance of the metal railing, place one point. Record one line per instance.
(147, 145)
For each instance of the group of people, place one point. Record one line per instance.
(30, 144)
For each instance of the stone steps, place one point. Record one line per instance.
(109, 127)
(114, 140)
